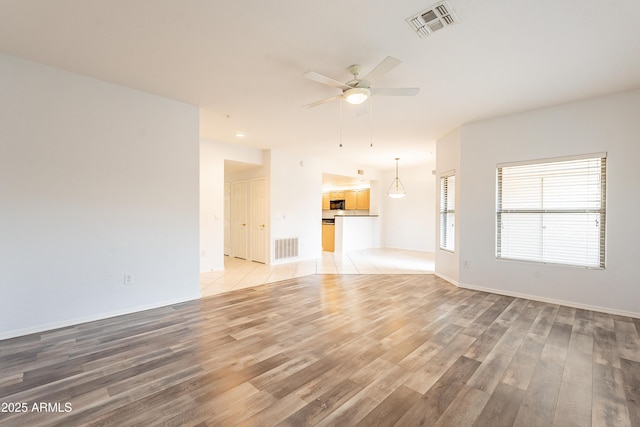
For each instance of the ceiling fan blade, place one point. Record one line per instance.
(395, 91)
(322, 101)
(387, 64)
(312, 75)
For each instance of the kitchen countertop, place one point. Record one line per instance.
(347, 216)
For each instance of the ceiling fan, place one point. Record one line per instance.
(358, 90)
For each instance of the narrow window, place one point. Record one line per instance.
(447, 212)
(552, 211)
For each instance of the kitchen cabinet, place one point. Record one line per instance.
(357, 199)
(351, 199)
(326, 197)
(337, 195)
(362, 199)
(328, 237)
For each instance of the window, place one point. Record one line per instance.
(447, 212)
(553, 211)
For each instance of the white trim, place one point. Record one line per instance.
(447, 174)
(79, 320)
(549, 300)
(443, 277)
(602, 155)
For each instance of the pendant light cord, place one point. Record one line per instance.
(396, 189)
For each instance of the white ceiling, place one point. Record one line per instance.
(331, 182)
(242, 62)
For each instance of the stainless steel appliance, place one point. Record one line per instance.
(336, 205)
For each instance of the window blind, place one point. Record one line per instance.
(447, 212)
(553, 211)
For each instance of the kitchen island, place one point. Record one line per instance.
(354, 232)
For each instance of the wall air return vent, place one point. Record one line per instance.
(433, 19)
(285, 248)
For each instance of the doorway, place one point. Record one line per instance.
(239, 219)
(246, 214)
(258, 220)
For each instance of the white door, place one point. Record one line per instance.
(258, 223)
(239, 223)
(227, 218)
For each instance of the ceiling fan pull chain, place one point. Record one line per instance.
(340, 102)
(371, 118)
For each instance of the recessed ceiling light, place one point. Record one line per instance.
(240, 135)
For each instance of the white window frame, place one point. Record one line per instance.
(562, 208)
(447, 234)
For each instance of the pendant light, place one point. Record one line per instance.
(396, 189)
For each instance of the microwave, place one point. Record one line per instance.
(336, 205)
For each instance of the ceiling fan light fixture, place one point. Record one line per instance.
(358, 90)
(356, 95)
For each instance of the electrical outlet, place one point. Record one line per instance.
(128, 279)
(465, 263)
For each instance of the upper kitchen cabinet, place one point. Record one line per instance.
(326, 198)
(337, 195)
(351, 199)
(362, 199)
(354, 191)
(357, 199)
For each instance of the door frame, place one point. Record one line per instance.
(249, 219)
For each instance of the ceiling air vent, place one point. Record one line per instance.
(433, 19)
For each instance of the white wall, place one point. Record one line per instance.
(296, 201)
(96, 180)
(448, 160)
(409, 222)
(609, 124)
(295, 187)
(296, 197)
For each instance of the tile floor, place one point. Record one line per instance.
(239, 273)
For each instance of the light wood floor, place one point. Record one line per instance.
(338, 350)
(239, 273)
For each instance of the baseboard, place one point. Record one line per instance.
(443, 277)
(547, 300)
(291, 260)
(79, 320)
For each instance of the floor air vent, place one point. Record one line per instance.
(285, 248)
(433, 19)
